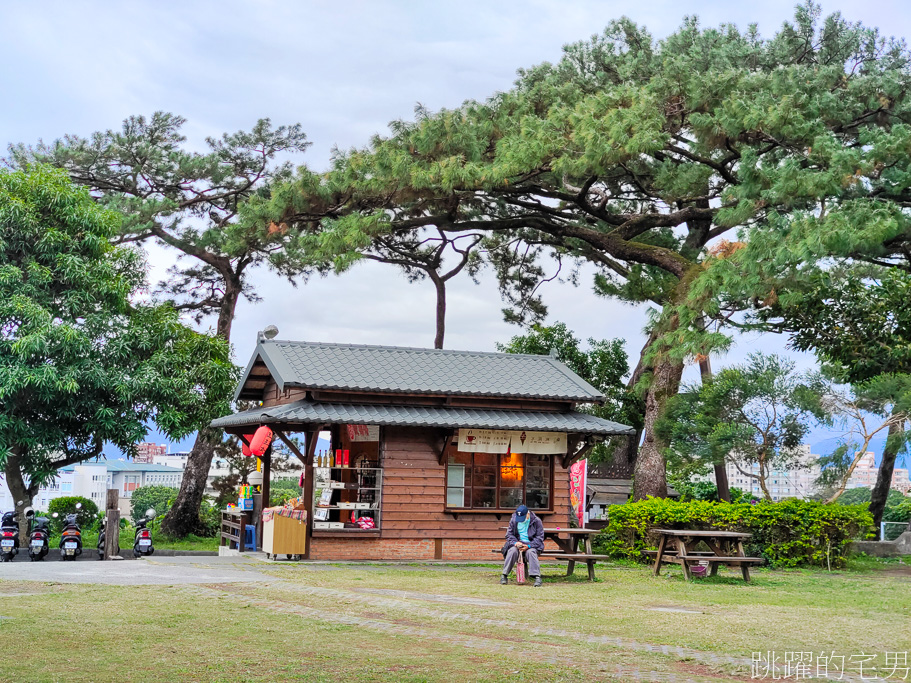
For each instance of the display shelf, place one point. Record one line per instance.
(338, 507)
(341, 489)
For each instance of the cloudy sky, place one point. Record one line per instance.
(343, 70)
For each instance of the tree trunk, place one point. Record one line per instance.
(763, 477)
(441, 309)
(721, 473)
(183, 517)
(228, 308)
(627, 447)
(22, 493)
(650, 473)
(884, 479)
(847, 475)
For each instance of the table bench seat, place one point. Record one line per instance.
(676, 546)
(572, 556)
(715, 558)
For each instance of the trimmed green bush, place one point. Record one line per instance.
(66, 505)
(787, 534)
(159, 498)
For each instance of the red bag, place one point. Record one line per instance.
(520, 569)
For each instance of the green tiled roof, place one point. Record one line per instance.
(399, 370)
(302, 413)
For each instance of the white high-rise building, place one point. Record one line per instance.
(795, 481)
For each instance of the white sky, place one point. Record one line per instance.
(343, 70)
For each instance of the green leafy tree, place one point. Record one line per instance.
(230, 453)
(282, 490)
(187, 202)
(80, 363)
(603, 365)
(66, 505)
(642, 157)
(856, 318)
(869, 408)
(756, 414)
(158, 498)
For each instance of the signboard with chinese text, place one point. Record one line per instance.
(505, 441)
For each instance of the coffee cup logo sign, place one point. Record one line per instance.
(504, 441)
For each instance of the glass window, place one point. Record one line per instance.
(499, 482)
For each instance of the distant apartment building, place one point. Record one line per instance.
(866, 473)
(92, 480)
(798, 480)
(146, 452)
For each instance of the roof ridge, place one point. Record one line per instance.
(386, 347)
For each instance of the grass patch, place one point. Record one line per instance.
(424, 623)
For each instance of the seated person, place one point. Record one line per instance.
(526, 532)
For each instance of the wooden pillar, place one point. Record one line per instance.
(267, 470)
(309, 476)
(112, 525)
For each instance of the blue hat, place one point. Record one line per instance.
(521, 512)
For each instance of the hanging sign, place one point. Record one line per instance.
(538, 442)
(505, 441)
(363, 433)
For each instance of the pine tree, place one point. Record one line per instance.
(650, 159)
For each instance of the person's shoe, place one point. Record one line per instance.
(503, 580)
(538, 582)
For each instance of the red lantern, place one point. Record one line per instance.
(245, 448)
(259, 444)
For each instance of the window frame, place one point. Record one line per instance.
(497, 510)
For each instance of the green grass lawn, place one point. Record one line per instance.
(191, 542)
(417, 623)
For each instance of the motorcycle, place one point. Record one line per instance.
(142, 542)
(38, 536)
(71, 538)
(101, 535)
(9, 536)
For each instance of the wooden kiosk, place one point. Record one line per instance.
(442, 445)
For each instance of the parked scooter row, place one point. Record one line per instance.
(70, 536)
(142, 538)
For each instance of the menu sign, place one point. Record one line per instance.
(505, 441)
(363, 433)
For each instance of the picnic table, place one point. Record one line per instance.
(568, 540)
(725, 547)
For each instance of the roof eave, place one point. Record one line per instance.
(259, 353)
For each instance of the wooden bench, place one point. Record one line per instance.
(726, 548)
(570, 559)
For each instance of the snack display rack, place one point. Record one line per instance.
(346, 493)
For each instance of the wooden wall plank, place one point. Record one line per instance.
(414, 493)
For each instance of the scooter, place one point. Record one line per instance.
(71, 538)
(38, 536)
(9, 536)
(142, 542)
(101, 536)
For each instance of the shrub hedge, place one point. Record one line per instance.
(787, 534)
(64, 505)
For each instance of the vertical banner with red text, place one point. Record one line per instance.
(578, 473)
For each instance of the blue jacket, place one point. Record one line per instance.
(535, 532)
